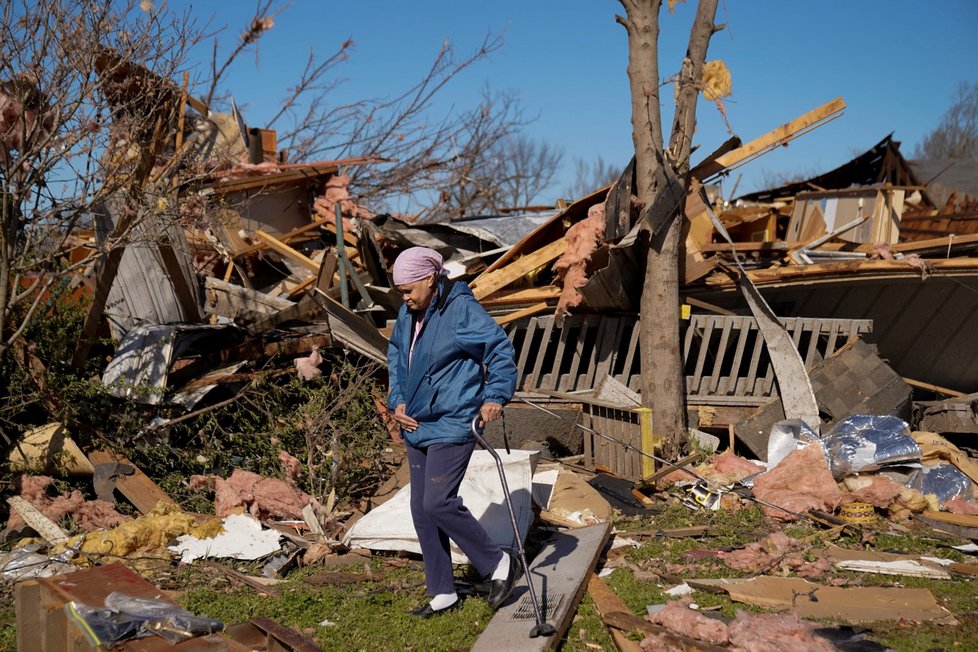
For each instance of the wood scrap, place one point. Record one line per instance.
(138, 488)
(259, 584)
(962, 525)
(45, 527)
(489, 282)
(287, 251)
(673, 532)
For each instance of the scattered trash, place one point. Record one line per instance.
(241, 537)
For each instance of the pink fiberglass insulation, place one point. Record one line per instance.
(583, 239)
(89, 515)
(679, 618)
(291, 467)
(725, 469)
(960, 506)
(761, 554)
(658, 643)
(800, 482)
(337, 192)
(308, 367)
(775, 633)
(262, 497)
(877, 490)
(729, 464)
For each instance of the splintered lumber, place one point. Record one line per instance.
(489, 282)
(619, 619)
(535, 309)
(287, 251)
(963, 525)
(844, 270)
(529, 295)
(559, 575)
(774, 138)
(137, 488)
(933, 388)
(38, 522)
(672, 532)
(607, 602)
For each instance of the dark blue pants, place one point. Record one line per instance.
(439, 515)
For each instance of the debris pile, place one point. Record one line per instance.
(858, 289)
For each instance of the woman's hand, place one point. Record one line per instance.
(403, 420)
(490, 412)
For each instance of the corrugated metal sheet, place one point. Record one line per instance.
(143, 291)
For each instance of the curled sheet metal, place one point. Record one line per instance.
(797, 395)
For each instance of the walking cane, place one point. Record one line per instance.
(542, 628)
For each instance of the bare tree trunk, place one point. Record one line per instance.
(661, 184)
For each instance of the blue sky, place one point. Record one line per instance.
(896, 63)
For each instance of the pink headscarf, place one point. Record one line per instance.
(417, 263)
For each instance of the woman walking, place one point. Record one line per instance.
(448, 362)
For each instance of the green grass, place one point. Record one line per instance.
(372, 614)
(366, 615)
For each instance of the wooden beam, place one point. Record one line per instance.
(44, 526)
(285, 237)
(776, 137)
(488, 283)
(525, 312)
(846, 270)
(933, 388)
(138, 487)
(287, 251)
(699, 303)
(606, 602)
(529, 295)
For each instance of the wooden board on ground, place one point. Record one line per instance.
(607, 602)
(40, 523)
(962, 525)
(137, 488)
(619, 620)
(559, 574)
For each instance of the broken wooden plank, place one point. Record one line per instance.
(257, 583)
(965, 525)
(137, 488)
(673, 532)
(775, 137)
(529, 295)
(287, 251)
(48, 529)
(919, 384)
(488, 283)
(661, 473)
(628, 621)
(559, 575)
(844, 271)
(529, 311)
(606, 602)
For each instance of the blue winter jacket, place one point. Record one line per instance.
(462, 359)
